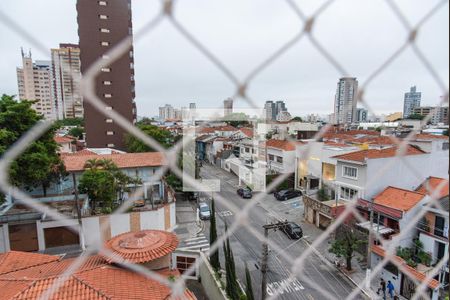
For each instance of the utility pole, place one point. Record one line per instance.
(369, 246)
(77, 203)
(265, 253)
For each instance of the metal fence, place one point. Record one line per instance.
(306, 23)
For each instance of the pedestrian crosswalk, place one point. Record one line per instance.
(197, 243)
(225, 213)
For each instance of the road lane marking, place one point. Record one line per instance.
(225, 213)
(284, 286)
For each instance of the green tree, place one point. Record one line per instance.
(77, 132)
(445, 132)
(416, 117)
(214, 256)
(162, 136)
(248, 282)
(79, 122)
(104, 183)
(297, 119)
(232, 286)
(345, 246)
(40, 164)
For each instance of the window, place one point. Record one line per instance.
(107, 95)
(109, 108)
(103, 17)
(185, 263)
(348, 194)
(439, 226)
(106, 70)
(104, 56)
(102, 3)
(247, 150)
(271, 157)
(110, 133)
(105, 44)
(350, 172)
(445, 146)
(279, 159)
(110, 145)
(107, 82)
(105, 30)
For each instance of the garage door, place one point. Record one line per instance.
(60, 236)
(23, 237)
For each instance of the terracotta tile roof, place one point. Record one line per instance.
(11, 288)
(398, 198)
(95, 279)
(410, 271)
(15, 260)
(124, 160)
(247, 131)
(361, 156)
(433, 183)
(63, 139)
(282, 145)
(206, 130)
(142, 246)
(225, 128)
(423, 136)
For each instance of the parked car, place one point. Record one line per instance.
(192, 196)
(245, 193)
(204, 212)
(293, 230)
(287, 194)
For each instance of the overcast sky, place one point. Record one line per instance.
(361, 34)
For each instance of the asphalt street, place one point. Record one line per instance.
(247, 250)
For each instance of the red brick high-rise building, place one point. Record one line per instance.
(101, 26)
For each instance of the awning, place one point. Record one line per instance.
(381, 229)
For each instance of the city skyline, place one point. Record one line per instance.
(304, 93)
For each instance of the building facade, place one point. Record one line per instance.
(362, 115)
(273, 109)
(167, 112)
(66, 74)
(439, 114)
(101, 26)
(412, 100)
(34, 81)
(345, 111)
(227, 107)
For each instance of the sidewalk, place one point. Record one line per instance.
(186, 216)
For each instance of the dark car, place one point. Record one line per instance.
(293, 230)
(245, 193)
(287, 194)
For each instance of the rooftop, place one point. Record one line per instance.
(76, 162)
(142, 246)
(26, 275)
(363, 155)
(433, 185)
(397, 198)
(281, 144)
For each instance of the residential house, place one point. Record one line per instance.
(25, 229)
(67, 144)
(434, 227)
(280, 156)
(365, 173)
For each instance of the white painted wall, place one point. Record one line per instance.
(4, 238)
(91, 230)
(119, 224)
(395, 171)
(152, 219)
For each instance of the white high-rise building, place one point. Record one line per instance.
(166, 112)
(34, 81)
(345, 111)
(66, 81)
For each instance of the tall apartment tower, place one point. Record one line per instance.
(227, 107)
(34, 82)
(166, 112)
(270, 110)
(66, 75)
(412, 100)
(102, 25)
(345, 111)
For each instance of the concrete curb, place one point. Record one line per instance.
(201, 227)
(331, 264)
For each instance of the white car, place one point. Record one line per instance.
(204, 211)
